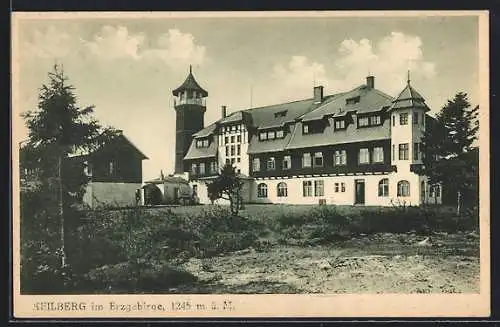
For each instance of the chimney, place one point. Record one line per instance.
(370, 82)
(223, 111)
(318, 94)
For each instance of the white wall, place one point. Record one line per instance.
(116, 194)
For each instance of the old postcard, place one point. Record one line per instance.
(250, 164)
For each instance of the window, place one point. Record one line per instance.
(256, 164)
(280, 134)
(238, 138)
(232, 150)
(88, 168)
(202, 168)
(378, 154)
(403, 118)
(198, 143)
(393, 120)
(233, 128)
(336, 187)
(306, 160)
(305, 129)
(213, 167)
(226, 140)
(193, 169)
(319, 189)
(233, 161)
(307, 188)
(416, 151)
(271, 164)
(227, 150)
(353, 100)
(340, 158)
(287, 162)
(237, 127)
(318, 159)
(228, 161)
(415, 118)
(363, 121)
(423, 119)
(202, 143)
(111, 167)
(437, 191)
(238, 149)
(262, 190)
(238, 159)
(195, 190)
(403, 151)
(342, 187)
(383, 187)
(375, 120)
(282, 190)
(364, 156)
(263, 136)
(232, 139)
(394, 152)
(271, 135)
(403, 188)
(340, 124)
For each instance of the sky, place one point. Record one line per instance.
(128, 67)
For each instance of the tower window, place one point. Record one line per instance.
(403, 118)
(415, 118)
(403, 151)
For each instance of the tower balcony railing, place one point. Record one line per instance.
(198, 101)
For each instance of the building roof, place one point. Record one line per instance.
(409, 98)
(256, 146)
(85, 152)
(329, 137)
(207, 131)
(167, 179)
(370, 100)
(190, 84)
(199, 153)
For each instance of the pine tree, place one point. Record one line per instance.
(449, 142)
(57, 127)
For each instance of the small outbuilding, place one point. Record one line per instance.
(167, 190)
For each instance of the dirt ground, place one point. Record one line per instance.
(381, 263)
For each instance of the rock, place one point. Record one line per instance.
(324, 265)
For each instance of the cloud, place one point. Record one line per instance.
(49, 43)
(388, 60)
(174, 47)
(115, 42)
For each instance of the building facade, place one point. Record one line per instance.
(358, 147)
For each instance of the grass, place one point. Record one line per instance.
(137, 250)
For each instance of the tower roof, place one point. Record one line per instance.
(190, 84)
(409, 98)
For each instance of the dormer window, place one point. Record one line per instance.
(280, 134)
(271, 135)
(263, 136)
(375, 120)
(305, 129)
(202, 143)
(353, 100)
(363, 121)
(280, 114)
(340, 124)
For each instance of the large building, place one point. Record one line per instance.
(357, 147)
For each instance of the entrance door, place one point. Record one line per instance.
(360, 191)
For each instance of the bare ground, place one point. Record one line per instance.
(380, 263)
